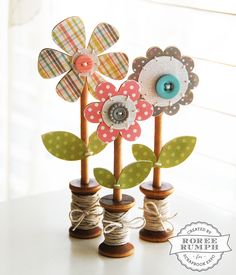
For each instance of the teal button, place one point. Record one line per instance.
(167, 86)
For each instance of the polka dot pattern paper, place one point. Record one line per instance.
(118, 111)
(64, 145)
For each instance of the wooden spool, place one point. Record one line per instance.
(158, 194)
(109, 204)
(78, 188)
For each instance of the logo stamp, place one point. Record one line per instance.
(199, 246)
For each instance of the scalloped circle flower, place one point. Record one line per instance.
(118, 112)
(166, 79)
(81, 64)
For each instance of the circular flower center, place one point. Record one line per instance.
(118, 113)
(84, 63)
(167, 86)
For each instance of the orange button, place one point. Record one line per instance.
(84, 63)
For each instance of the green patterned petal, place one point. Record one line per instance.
(104, 177)
(142, 152)
(134, 173)
(64, 145)
(95, 145)
(176, 151)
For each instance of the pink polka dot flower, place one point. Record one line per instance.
(118, 112)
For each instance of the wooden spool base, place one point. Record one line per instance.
(85, 234)
(110, 205)
(155, 236)
(160, 193)
(119, 251)
(84, 189)
(81, 189)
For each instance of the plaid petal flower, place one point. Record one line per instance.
(113, 65)
(52, 63)
(103, 37)
(69, 35)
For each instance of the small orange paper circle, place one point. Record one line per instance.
(84, 63)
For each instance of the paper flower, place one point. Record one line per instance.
(166, 79)
(118, 112)
(81, 63)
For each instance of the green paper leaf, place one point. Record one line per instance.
(104, 177)
(64, 145)
(134, 173)
(95, 145)
(142, 152)
(176, 151)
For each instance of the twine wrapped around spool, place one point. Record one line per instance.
(157, 215)
(86, 212)
(116, 227)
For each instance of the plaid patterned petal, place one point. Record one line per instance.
(70, 86)
(102, 38)
(52, 63)
(113, 65)
(70, 34)
(93, 82)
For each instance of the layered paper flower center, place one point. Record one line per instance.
(119, 112)
(85, 63)
(164, 80)
(167, 86)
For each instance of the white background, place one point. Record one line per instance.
(29, 105)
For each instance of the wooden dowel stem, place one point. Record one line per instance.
(84, 134)
(157, 148)
(117, 194)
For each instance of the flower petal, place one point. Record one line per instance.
(105, 90)
(70, 86)
(144, 110)
(157, 110)
(93, 82)
(130, 88)
(132, 133)
(114, 65)
(193, 80)
(92, 112)
(133, 76)
(154, 52)
(187, 98)
(70, 34)
(188, 62)
(139, 63)
(106, 134)
(173, 51)
(171, 110)
(102, 38)
(52, 63)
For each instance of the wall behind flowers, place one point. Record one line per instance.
(29, 105)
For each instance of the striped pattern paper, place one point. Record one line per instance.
(70, 34)
(93, 82)
(52, 63)
(102, 38)
(70, 86)
(114, 65)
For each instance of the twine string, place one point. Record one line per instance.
(157, 215)
(116, 227)
(85, 211)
